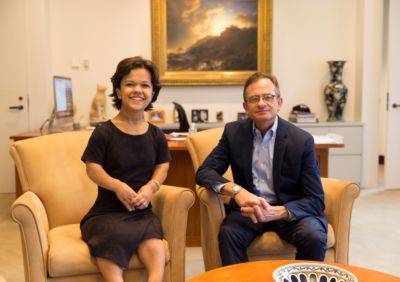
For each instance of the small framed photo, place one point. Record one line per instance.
(199, 115)
(219, 116)
(241, 115)
(156, 116)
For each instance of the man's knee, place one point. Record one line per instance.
(317, 239)
(314, 232)
(312, 244)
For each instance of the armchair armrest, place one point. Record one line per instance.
(171, 204)
(339, 199)
(212, 213)
(28, 211)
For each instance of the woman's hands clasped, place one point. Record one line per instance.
(134, 200)
(126, 195)
(143, 197)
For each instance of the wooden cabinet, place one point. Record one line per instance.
(344, 163)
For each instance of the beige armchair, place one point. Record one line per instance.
(58, 193)
(339, 199)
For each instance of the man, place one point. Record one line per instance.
(276, 185)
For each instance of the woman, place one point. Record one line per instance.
(128, 159)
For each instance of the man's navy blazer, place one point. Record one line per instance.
(296, 177)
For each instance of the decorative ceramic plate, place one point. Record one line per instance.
(312, 272)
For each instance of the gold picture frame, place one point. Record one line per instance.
(172, 77)
(156, 116)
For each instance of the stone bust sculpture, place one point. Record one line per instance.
(98, 107)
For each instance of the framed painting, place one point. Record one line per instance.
(204, 42)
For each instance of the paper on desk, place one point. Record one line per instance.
(330, 138)
(178, 138)
(179, 134)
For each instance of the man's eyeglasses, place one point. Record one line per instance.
(268, 98)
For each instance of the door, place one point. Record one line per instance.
(392, 156)
(13, 84)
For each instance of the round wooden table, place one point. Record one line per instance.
(262, 271)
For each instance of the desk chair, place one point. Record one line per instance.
(58, 193)
(339, 199)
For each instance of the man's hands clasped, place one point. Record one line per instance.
(258, 209)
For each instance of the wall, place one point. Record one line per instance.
(373, 76)
(306, 34)
(102, 35)
(39, 61)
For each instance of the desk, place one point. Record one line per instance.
(262, 271)
(181, 173)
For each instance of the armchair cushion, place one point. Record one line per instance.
(75, 259)
(68, 254)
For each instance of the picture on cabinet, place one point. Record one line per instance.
(219, 116)
(199, 115)
(156, 116)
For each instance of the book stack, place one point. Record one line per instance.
(302, 117)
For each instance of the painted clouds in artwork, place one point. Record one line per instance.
(211, 35)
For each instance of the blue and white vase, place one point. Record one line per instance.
(335, 92)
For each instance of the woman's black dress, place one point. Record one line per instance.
(110, 230)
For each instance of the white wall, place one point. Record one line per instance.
(39, 61)
(101, 32)
(306, 34)
(384, 83)
(373, 76)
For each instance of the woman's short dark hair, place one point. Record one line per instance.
(260, 75)
(124, 68)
